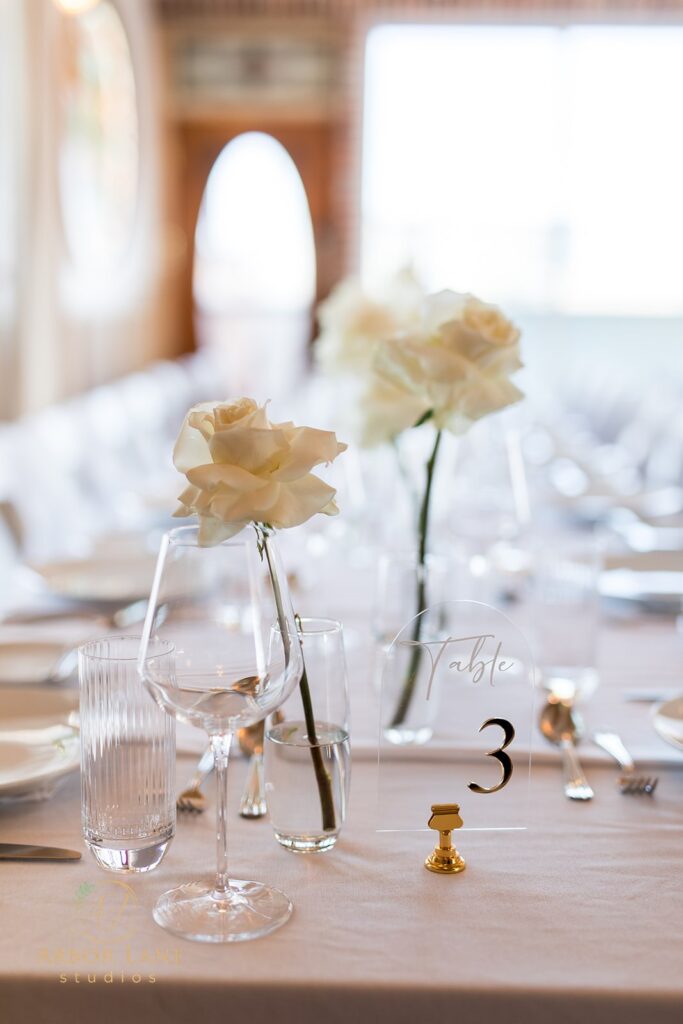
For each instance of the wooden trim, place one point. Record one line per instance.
(173, 10)
(312, 147)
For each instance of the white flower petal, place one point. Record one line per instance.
(299, 500)
(306, 448)
(191, 448)
(251, 448)
(214, 476)
(213, 531)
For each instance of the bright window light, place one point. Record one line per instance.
(254, 239)
(539, 166)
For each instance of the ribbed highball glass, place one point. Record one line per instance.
(127, 756)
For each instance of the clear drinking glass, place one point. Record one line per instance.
(306, 745)
(127, 755)
(566, 617)
(218, 604)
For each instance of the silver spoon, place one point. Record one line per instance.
(560, 727)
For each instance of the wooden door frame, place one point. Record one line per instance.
(311, 145)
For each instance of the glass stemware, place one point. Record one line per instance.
(217, 604)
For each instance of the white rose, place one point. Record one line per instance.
(384, 411)
(489, 321)
(242, 469)
(479, 316)
(353, 323)
(457, 369)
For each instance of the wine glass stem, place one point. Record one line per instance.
(220, 744)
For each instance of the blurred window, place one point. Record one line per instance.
(254, 241)
(538, 166)
(99, 151)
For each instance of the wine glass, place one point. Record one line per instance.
(217, 604)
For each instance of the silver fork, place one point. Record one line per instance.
(630, 782)
(192, 799)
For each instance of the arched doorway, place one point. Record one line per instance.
(316, 148)
(254, 273)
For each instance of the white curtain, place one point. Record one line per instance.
(64, 328)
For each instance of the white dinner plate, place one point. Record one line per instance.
(599, 498)
(107, 580)
(667, 719)
(38, 746)
(652, 579)
(26, 662)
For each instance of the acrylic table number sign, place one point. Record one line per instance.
(465, 668)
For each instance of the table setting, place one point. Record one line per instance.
(233, 741)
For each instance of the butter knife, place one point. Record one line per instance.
(17, 851)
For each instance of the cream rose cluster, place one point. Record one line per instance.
(242, 469)
(455, 369)
(354, 322)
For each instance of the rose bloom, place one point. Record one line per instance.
(457, 368)
(242, 469)
(353, 322)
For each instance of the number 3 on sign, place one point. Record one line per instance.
(499, 754)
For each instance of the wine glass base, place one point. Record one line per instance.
(247, 910)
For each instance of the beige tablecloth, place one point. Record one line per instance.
(579, 918)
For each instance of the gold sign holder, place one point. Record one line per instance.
(444, 858)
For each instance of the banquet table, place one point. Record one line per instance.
(577, 918)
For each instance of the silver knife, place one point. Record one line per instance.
(17, 851)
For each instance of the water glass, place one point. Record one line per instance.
(127, 756)
(566, 615)
(307, 755)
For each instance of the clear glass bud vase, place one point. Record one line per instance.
(406, 589)
(307, 757)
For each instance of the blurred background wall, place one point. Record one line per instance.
(198, 173)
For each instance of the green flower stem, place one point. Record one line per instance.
(322, 777)
(421, 597)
